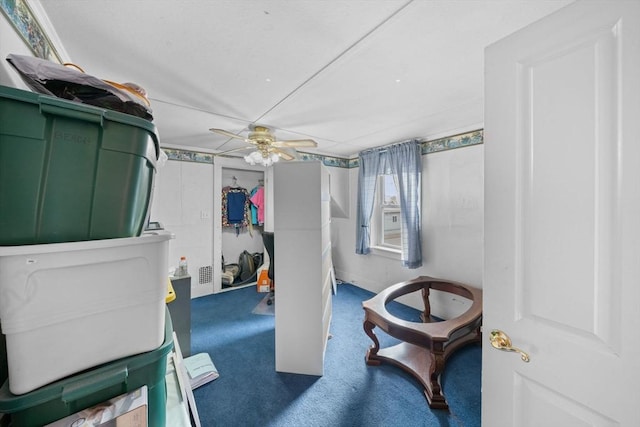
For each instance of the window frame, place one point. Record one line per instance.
(378, 218)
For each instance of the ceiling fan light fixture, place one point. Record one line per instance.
(256, 157)
(268, 149)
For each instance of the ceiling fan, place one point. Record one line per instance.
(268, 148)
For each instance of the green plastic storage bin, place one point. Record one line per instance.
(71, 171)
(75, 393)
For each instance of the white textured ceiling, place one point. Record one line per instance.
(350, 74)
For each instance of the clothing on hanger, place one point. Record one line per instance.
(236, 208)
(257, 200)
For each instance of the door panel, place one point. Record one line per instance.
(562, 205)
(567, 185)
(544, 404)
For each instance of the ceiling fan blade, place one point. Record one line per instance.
(283, 154)
(233, 151)
(227, 133)
(295, 143)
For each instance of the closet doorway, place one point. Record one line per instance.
(234, 178)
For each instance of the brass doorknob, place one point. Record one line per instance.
(501, 341)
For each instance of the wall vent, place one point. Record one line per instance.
(205, 275)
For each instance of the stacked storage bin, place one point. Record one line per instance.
(82, 288)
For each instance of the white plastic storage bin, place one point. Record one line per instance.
(67, 307)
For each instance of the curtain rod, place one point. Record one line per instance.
(384, 148)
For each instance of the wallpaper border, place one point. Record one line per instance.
(466, 139)
(25, 23)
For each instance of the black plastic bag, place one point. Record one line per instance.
(49, 78)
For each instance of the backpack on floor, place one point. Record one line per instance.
(257, 259)
(247, 265)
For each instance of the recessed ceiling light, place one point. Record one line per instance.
(397, 80)
(267, 79)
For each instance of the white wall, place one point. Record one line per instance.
(11, 42)
(340, 192)
(183, 203)
(452, 231)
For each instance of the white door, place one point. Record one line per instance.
(562, 220)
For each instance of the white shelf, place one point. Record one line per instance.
(303, 284)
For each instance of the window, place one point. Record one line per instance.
(404, 162)
(387, 221)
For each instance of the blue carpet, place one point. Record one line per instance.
(249, 392)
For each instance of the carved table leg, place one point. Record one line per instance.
(425, 316)
(434, 391)
(373, 350)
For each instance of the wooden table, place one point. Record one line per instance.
(427, 345)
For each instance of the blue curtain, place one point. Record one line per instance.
(367, 180)
(405, 162)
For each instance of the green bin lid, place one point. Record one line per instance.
(82, 111)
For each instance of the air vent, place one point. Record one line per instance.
(204, 274)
